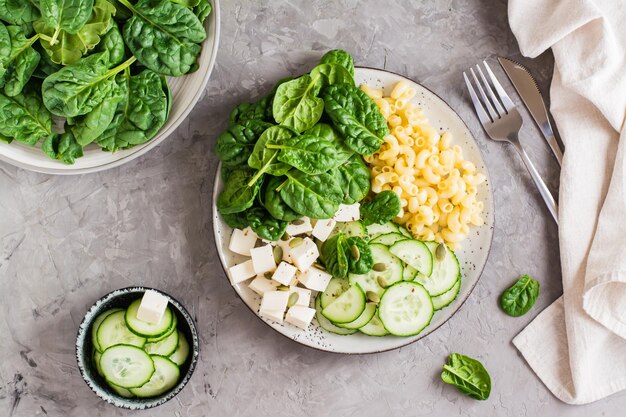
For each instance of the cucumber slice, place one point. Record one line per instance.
(374, 230)
(143, 328)
(415, 253)
(122, 392)
(96, 324)
(347, 307)
(405, 232)
(327, 324)
(444, 275)
(393, 271)
(126, 366)
(181, 353)
(374, 327)
(165, 347)
(113, 331)
(334, 289)
(363, 319)
(96, 361)
(388, 239)
(165, 377)
(350, 229)
(409, 273)
(171, 330)
(405, 309)
(447, 297)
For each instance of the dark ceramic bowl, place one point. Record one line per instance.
(122, 298)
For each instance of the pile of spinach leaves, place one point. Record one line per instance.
(97, 67)
(298, 151)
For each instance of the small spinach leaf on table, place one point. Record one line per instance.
(296, 104)
(314, 196)
(468, 375)
(19, 12)
(62, 147)
(237, 195)
(273, 202)
(339, 57)
(360, 260)
(357, 117)
(335, 256)
(264, 159)
(381, 209)
(353, 177)
(164, 36)
(264, 225)
(331, 74)
(20, 63)
(521, 297)
(24, 118)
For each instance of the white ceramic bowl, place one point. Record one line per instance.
(472, 256)
(186, 91)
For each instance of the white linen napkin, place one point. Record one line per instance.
(577, 346)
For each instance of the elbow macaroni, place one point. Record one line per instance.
(436, 185)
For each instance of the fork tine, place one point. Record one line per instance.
(504, 97)
(494, 99)
(482, 115)
(494, 115)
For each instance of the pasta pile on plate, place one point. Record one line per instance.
(436, 185)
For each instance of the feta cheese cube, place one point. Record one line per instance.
(303, 255)
(284, 245)
(273, 315)
(300, 316)
(285, 273)
(304, 295)
(263, 259)
(348, 213)
(323, 228)
(241, 241)
(315, 279)
(152, 307)
(294, 281)
(274, 304)
(241, 272)
(261, 285)
(300, 226)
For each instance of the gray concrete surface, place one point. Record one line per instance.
(65, 241)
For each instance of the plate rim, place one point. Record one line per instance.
(151, 144)
(411, 340)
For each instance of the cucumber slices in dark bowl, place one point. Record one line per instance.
(106, 338)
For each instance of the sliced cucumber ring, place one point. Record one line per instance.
(113, 331)
(447, 297)
(363, 319)
(374, 327)
(96, 361)
(334, 289)
(388, 272)
(181, 353)
(165, 377)
(165, 347)
(405, 309)
(445, 274)
(96, 324)
(415, 253)
(374, 230)
(409, 273)
(347, 307)
(350, 229)
(122, 392)
(389, 239)
(327, 324)
(146, 329)
(126, 366)
(169, 332)
(405, 232)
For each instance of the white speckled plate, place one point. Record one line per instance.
(472, 256)
(186, 91)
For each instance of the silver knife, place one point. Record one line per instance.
(527, 88)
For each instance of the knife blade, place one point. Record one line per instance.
(527, 88)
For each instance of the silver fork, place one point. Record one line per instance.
(502, 122)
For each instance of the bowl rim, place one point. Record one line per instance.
(127, 403)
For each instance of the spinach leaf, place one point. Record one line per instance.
(20, 63)
(46, 66)
(261, 110)
(77, 89)
(331, 74)
(357, 117)
(121, 12)
(203, 10)
(19, 12)
(70, 47)
(339, 57)
(5, 139)
(235, 145)
(187, 3)
(314, 196)
(521, 297)
(353, 177)
(296, 104)
(313, 154)
(264, 225)
(468, 375)
(24, 118)
(237, 195)
(236, 220)
(334, 254)
(164, 36)
(66, 15)
(142, 115)
(381, 209)
(360, 260)
(265, 159)
(273, 202)
(62, 147)
(113, 42)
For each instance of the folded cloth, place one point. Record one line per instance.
(577, 346)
